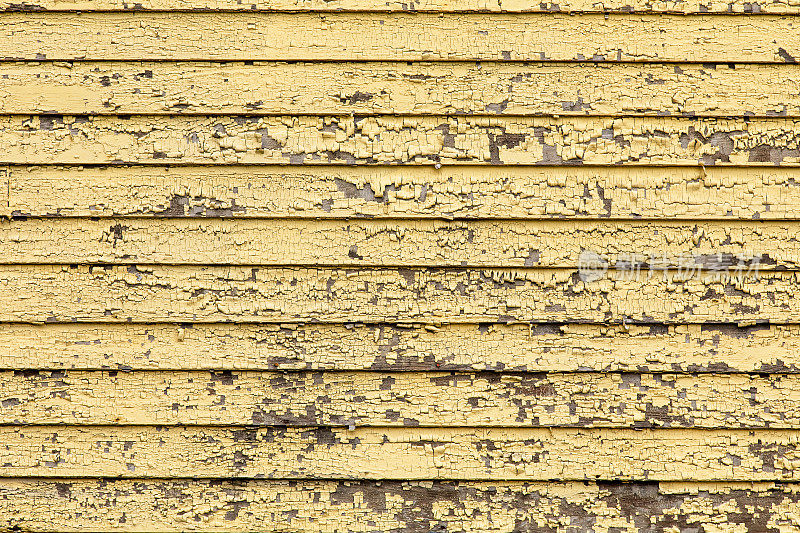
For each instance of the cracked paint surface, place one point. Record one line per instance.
(313, 266)
(486, 88)
(685, 193)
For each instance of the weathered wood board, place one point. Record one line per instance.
(52, 293)
(402, 347)
(399, 453)
(680, 193)
(171, 36)
(163, 505)
(403, 399)
(339, 266)
(423, 243)
(428, 140)
(418, 6)
(110, 88)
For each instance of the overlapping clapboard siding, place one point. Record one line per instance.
(304, 265)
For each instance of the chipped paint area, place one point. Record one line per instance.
(468, 192)
(398, 37)
(163, 505)
(397, 140)
(265, 88)
(320, 266)
(52, 293)
(402, 347)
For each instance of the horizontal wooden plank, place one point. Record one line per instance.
(400, 399)
(421, 243)
(44, 293)
(45, 139)
(541, 348)
(417, 507)
(408, 192)
(447, 6)
(400, 453)
(398, 36)
(109, 88)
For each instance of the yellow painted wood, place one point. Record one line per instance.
(398, 140)
(422, 243)
(447, 6)
(110, 88)
(163, 505)
(727, 193)
(40, 293)
(393, 36)
(521, 347)
(432, 399)
(399, 453)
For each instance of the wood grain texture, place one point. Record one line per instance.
(373, 140)
(447, 6)
(422, 243)
(496, 454)
(404, 399)
(680, 193)
(43, 293)
(385, 347)
(402, 37)
(109, 88)
(163, 505)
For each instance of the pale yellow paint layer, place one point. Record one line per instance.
(43, 293)
(447, 6)
(421, 243)
(400, 453)
(398, 140)
(399, 88)
(405, 37)
(166, 505)
(522, 347)
(409, 192)
(432, 399)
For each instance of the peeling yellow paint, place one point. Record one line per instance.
(396, 140)
(398, 37)
(110, 88)
(727, 193)
(41, 293)
(431, 399)
(320, 266)
(522, 347)
(400, 453)
(548, 244)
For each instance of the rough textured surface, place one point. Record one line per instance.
(387, 88)
(422, 243)
(48, 139)
(335, 266)
(447, 6)
(403, 37)
(400, 399)
(164, 505)
(686, 193)
(400, 453)
(44, 293)
(402, 347)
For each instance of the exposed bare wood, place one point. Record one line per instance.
(165, 505)
(398, 36)
(400, 453)
(397, 140)
(44, 293)
(523, 347)
(681, 193)
(110, 88)
(423, 243)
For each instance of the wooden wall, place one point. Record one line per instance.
(314, 266)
